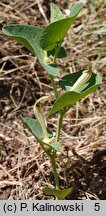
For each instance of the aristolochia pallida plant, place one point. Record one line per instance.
(46, 44)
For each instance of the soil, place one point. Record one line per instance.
(81, 164)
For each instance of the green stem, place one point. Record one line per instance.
(53, 156)
(54, 86)
(57, 52)
(56, 178)
(54, 62)
(59, 123)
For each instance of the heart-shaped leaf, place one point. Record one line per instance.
(29, 36)
(35, 128)
(56, 31)
(56, 13)
(71, 97)
(59, 194)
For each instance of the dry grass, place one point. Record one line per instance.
(24, 168)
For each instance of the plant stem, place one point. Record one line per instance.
(56, 178)
(57, 52)
(59, 123)
(54, 62)
(54, 86)
(53, 156)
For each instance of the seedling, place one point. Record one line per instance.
(46, 44)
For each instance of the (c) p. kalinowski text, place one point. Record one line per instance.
(52, 207)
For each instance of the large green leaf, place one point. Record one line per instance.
(60, 194)
(35, 128)
(71, 97)
(29, 36)
(56, 13)
(56, 31)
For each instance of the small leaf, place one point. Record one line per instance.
(56, 31)
(71, 97)
(60, 194)
(35, 128)
(62, 53)
(29, 36)
(56, 13)
(40, 116)
(56, 146)
(75, 9)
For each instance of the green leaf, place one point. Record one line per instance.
(29, 36)
(56, 146)
(56, 13)
(71, 97)
(62, 53)
(56, 31)
(35, 128)
(67, 81)
(60, 194)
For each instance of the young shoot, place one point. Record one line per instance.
(44, 43)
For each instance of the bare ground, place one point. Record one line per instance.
(24, 168)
